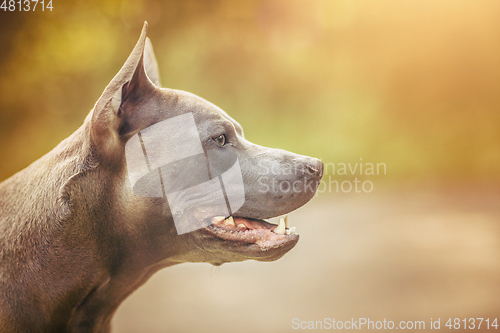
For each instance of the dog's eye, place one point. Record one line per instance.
(221, 140)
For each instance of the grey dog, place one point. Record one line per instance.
(75, 240)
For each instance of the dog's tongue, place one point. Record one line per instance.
(244, 224)
(252, 224)
(241, 224)
(250, 231)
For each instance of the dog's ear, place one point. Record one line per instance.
(151, 64)
(131, 84)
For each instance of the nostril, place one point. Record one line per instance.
(312, 170)
(315, 169)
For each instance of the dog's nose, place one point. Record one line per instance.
(315, 168)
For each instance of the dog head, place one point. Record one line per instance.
(160, 144)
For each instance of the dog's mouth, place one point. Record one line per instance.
(250, 231)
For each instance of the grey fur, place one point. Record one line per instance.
(75, 241)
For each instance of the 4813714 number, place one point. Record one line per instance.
(25, 5)
(472, 323)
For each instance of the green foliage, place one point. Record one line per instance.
(410, 84)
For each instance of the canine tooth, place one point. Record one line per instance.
(287, 224)
(230, 221)
(280, 229)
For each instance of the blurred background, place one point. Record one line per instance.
(414, 85)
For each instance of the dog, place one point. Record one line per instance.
(76, 239)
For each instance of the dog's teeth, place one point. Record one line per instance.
(216, 219)
(292, 231)
(287, 224)
(280, 229)
(230, 221)
(241, 226)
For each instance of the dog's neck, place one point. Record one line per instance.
(92, 240)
